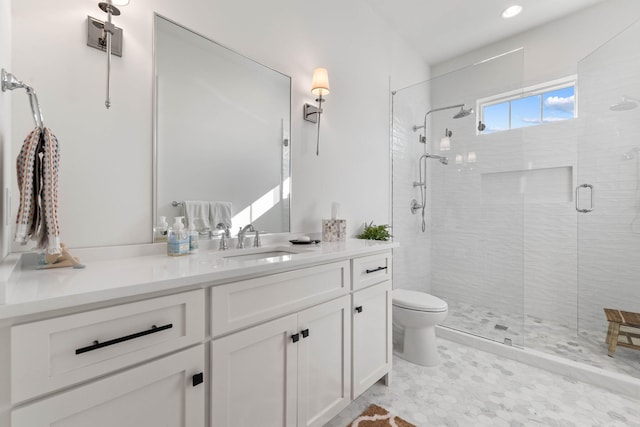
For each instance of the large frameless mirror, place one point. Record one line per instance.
(221, 130)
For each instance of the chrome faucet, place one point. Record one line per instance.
(223, 238)
(242, 233)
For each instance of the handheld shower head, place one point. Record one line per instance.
(442, 159)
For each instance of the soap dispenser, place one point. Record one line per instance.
(193, 239)
(178, 239)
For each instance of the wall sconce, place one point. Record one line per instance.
(445, 141)
(106, 36)
(319, 87)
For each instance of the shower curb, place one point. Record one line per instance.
(612, 381)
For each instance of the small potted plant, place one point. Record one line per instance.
(375, 232)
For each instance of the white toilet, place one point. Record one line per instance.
(415, 316)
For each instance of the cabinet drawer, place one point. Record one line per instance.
(159, 393)
(370, 270)
(54, 353)
(241, 304)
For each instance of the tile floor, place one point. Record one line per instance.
(473, 388)
(561, 340)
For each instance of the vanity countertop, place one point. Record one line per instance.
(130, 271)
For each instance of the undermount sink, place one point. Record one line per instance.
(260, 253)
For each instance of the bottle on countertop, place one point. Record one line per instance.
(193, 239)
(178, 239)
(161, 230)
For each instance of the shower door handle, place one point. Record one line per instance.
(590, 208)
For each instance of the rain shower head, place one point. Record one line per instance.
(458, 115)
(463, 113)
(626, 103)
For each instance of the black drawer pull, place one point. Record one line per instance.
(197, 379)
(359, 309)
(96, 344)
(376, 269)
(295, 337)
(305, 333)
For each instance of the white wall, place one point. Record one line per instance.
(5, 124)
(555, 48)
(106, 154)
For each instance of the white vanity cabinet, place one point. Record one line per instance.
(225, 344)
(371, 308)
(291, 371)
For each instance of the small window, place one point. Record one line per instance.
(535, 105)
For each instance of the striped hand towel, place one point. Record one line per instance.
(37, 167)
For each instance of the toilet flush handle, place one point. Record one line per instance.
(359, 309)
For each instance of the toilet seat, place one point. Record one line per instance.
(419, 301)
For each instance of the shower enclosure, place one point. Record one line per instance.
(530, 231)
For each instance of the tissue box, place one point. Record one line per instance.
(334, 230)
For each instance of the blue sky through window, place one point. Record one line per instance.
(547, 107)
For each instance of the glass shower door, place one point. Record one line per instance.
(477, 205)
(608, 193)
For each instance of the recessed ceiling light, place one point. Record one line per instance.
(511, 11)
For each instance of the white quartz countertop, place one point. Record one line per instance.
(130, 271)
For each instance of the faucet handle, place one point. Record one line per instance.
(225, 228)
(256, 241)
(223, 242)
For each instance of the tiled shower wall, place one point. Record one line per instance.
(503, 231)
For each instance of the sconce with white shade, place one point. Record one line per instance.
(319, 87)
(445, 141)
(105, 36)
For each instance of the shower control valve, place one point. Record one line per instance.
(415, 206)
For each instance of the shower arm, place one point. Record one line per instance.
(424, 126)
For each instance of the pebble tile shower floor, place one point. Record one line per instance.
(545, 336)
(474, 388)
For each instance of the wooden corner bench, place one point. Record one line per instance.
(629, 320)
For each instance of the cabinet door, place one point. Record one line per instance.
(160, 393)
(324, 361)
(254, 376)
(371, 336)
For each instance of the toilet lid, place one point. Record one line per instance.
(415, 300)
